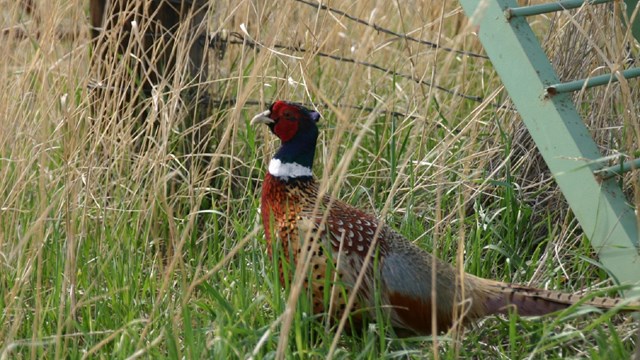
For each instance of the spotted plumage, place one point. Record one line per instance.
(340, 237)
(289, 213)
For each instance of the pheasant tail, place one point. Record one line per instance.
(535, 302)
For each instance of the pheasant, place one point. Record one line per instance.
(341, 236)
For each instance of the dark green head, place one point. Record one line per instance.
(296, 127)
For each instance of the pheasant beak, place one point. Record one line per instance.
(262, 118)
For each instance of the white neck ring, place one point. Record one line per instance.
(288, 170)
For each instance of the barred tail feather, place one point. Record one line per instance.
(528, 301)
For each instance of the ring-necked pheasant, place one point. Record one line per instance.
(341, 237)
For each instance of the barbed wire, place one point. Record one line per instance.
(242, 40)
(234, 101)
(390, 32)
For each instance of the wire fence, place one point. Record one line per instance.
(219, 42)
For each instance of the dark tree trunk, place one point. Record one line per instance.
(159, 23)
(140, 45)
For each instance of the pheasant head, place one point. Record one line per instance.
(296, 127)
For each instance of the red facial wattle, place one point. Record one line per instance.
(285, 129)
(287, 120)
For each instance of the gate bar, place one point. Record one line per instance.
(591, 82)
(512, 12)
(619, 169)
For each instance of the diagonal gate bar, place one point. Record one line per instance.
(570, 152)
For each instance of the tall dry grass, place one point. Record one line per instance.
(111, 225)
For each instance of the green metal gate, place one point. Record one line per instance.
(547, 109)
